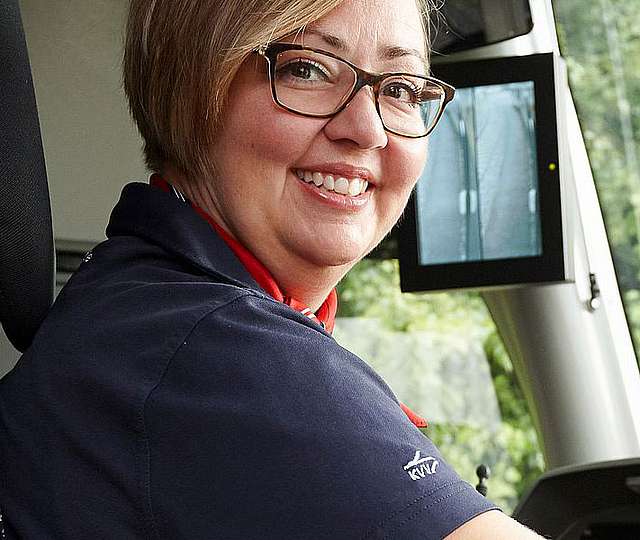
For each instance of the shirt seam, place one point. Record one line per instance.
(417, 513)
(146, 465)
(390, 517)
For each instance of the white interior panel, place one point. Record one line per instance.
(91, 146)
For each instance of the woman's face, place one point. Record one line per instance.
(262, 149)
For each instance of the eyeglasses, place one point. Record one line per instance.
(317, 83)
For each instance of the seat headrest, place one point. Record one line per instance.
(27, 260)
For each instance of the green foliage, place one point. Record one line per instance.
(512, 455)
(603, 63)
(632, 308)
(373, 291)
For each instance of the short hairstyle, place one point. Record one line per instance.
(181, 57)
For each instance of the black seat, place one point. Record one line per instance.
(27, 259)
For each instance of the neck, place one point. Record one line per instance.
(307, 286)
(296, 277)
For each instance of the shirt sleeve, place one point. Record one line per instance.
(263, 427)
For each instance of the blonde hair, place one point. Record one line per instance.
(181, 57)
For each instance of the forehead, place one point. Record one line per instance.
(382, 28)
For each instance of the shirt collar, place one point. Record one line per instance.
(325, 315)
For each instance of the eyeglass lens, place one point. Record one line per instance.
(312, 83)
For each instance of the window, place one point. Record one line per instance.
(601, 43)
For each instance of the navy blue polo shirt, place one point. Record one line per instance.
(167, 396)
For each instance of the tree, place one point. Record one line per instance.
(601, 43)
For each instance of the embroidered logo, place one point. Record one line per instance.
(419, 466)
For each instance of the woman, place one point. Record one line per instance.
(185, 384)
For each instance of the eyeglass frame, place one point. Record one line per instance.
(363, 78)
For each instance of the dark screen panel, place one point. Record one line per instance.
(465, 24)
(487, 211)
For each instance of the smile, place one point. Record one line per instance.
(338, 184)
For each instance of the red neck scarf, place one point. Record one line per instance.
(325, 316)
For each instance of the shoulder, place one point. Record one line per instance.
(292, 437)
(281, 352)
(120, 319)
(129, 274)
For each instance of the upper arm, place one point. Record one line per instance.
(263, 427)
(492, 525)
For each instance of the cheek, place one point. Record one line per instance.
(266, 136)
(409, 159)
(416, 157)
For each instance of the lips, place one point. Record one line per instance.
(343, 185)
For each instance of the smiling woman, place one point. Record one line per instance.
(185, 383)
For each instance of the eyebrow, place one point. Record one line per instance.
(330, 39)
(388, 53)
(398, 52)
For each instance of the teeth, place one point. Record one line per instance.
(329, 182)
(342, 185)
(318, 180)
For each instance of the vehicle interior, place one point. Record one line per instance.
(505, 307)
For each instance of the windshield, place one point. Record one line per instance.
(601, 44)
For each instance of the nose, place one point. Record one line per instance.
(359, 123)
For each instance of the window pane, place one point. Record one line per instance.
(601, 43)
(442, 357)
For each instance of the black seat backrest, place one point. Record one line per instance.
(27, 260)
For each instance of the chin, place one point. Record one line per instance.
(342, 253)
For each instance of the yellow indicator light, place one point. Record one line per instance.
(552, 166)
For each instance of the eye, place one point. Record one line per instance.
(402, 90)
(302, 70)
